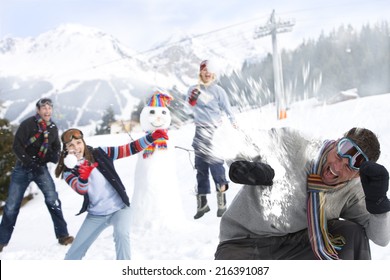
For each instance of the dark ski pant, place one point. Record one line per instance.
(20, 179)
(296, 246)
(206, 162)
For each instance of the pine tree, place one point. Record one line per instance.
(7, 157)
(107, 120)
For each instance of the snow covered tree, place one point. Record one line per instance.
(7, 157)
(108, 118)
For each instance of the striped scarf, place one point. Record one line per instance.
(42, 125)
(323, 244)
(160, 144)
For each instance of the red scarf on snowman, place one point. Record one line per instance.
(159, 144)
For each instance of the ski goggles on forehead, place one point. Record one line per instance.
(346, 148)
(44, 101)
(71, 134)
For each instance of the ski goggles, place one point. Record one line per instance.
(44, 101)
(346, 148)
(71, 134)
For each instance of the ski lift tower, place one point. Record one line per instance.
(272, 28)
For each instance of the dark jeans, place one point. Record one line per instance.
(20, 180)
(205, 161)
(296, 246)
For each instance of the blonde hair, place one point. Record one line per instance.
(201, 82)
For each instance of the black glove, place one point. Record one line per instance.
(52, 157)
(35, 166)
(251, 173)
(375, 182)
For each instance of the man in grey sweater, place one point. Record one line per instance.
(308, 199)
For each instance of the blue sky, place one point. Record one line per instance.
(141, 23)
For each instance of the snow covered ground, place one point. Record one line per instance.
(33, 238)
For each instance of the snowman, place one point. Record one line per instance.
(156, 202)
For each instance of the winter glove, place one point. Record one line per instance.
(194, 96)
(52, 157)
(35, 166)
(159, 133)
(375, 182)
(85, 170)
(251, 173)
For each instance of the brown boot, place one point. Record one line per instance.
(2, 246)
(65, 240)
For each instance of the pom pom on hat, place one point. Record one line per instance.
(203, 64)
(159, 99)
(213, 65)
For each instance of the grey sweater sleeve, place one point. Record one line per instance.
(378, 229)
(377, 225)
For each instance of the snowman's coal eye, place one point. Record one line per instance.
(164, 112)
(152, 112)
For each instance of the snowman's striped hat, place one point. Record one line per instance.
(159, 99)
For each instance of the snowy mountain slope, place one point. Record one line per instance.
(33, 238)
(73, 61)
(180, 53)
(76, 66)
(69, 49)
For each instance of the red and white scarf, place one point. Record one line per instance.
(42, 125)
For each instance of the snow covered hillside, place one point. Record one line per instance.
(82, 67)
(34, 239)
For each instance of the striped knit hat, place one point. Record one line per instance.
(159, 99)
(203, 65)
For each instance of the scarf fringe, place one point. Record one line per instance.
(324, 245)
(159, 144)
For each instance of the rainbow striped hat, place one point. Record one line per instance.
(159, 99)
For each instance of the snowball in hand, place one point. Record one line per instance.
(70, 161)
